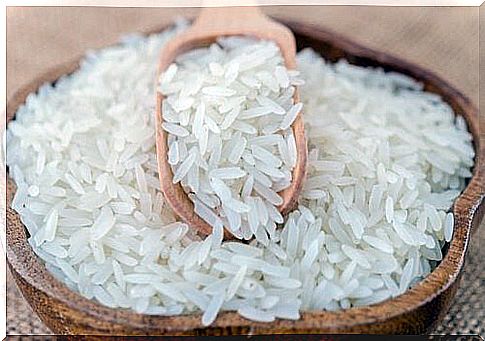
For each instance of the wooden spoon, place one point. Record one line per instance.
(209, 25)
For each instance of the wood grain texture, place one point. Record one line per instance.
(416, 311)
(210, 24)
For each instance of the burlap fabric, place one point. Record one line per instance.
(444, 40)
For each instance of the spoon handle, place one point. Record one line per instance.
(229, 17)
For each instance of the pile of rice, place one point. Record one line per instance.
(228, 111)
(386, 162)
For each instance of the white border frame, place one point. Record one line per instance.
(150, 3)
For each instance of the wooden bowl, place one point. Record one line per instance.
(416, 311)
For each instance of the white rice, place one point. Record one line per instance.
(230, 120)
(360, 235)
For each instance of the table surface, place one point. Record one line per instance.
(444, 40)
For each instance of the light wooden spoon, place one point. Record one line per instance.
(209, 25)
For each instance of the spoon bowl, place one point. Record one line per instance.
(211, 24)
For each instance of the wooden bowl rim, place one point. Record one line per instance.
(30, 269)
